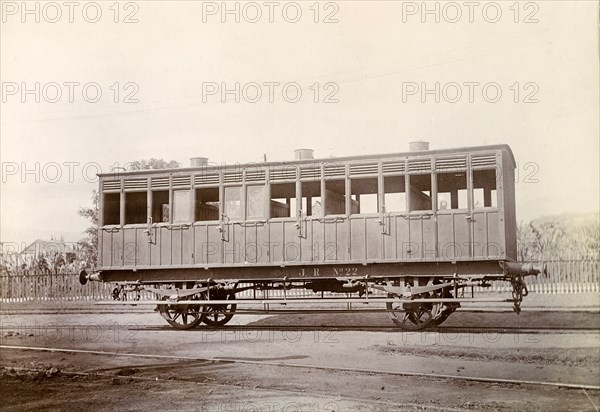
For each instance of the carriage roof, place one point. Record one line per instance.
(274, 164)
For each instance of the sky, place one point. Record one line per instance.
(119, 82)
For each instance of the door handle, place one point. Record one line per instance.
(148, 231)
(300, 224)
(384, 222)
(221, 228)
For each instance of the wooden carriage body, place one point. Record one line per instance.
(433, 211)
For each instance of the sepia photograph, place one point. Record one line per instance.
(310, 205)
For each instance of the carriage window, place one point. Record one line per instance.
(364, 196)
(311, 199)
(207, 204)
(112, 209)
(233, 203)
(255, 202)
(160, 206)
(136, 205)
(485, 193)
(181, 206)
(420, 192)
(395, 194)
(335, 197)
(452, 190)
(283, 200)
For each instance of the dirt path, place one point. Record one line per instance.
(201, 386)
(255, 383)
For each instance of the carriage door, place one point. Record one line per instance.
(454, 219)
(334, 224)
(182, 230)
(232, 224)
(135, 245)
(487, 242)
(366, 223)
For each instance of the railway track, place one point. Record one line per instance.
(300, 366)
(304, 328)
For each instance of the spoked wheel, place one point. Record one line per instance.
(414, 315)
(446, 309)
(443, 315)
(182, 316)
(219, 315)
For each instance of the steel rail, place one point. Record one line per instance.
(296, 300)
(374, 328)
(301, 366)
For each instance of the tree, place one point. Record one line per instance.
(89, 245)
(561, 237)
(152, 164)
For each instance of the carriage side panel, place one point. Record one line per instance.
(347, 228)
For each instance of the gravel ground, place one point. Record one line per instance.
(233, 387)
(241, 373)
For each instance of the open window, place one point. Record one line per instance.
(283, 200)
(452, 190)
(485, 193)
(364, 196)
(182, 206)
(207, 204)
(394, 190)
(136, 207)
(111, 209)
(420, 192)
(255, 202)
(311, 199)
(335, 197)
(233, 203)
(160, 206)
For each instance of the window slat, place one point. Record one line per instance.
(418, 165)
(212, 178)
(363, 169)
(160, 182)
(485, 160)
(393, 167)
(111, 185)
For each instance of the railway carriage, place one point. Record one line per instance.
(408, 233)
